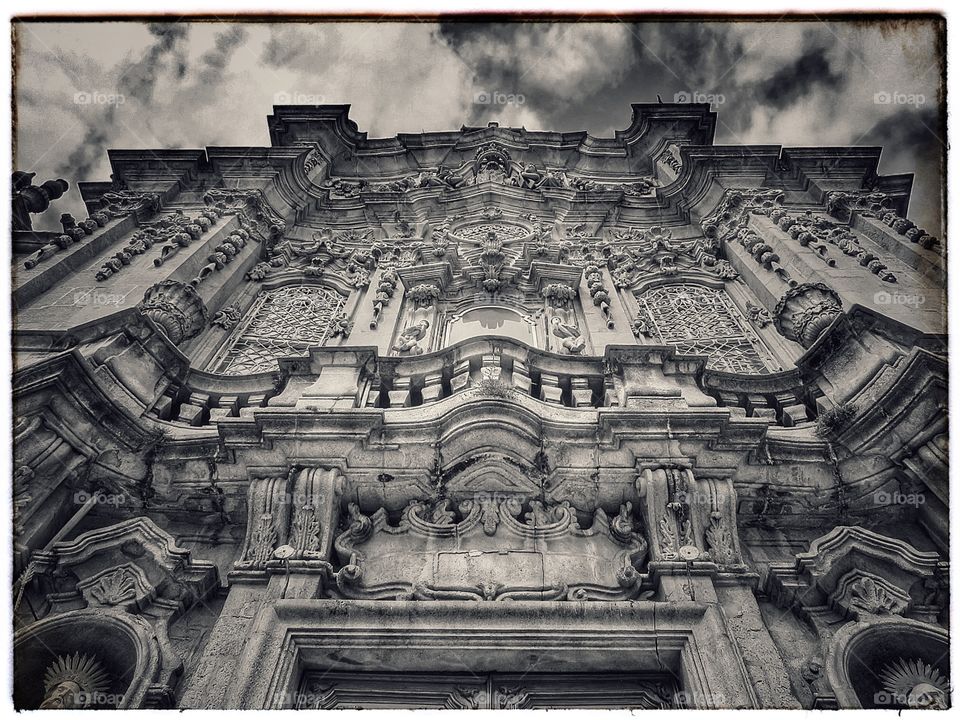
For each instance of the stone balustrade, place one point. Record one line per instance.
(625, 376)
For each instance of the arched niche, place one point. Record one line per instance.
(496, 320)
(123, 646)
(863, 659)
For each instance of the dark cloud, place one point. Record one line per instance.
(301, 48)
(213, 63)
(168, 51)
(793, 82)
(136, 82)
(913, 140)
(91, 150)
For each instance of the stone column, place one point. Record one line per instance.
(292, 521)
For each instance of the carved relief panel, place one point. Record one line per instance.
(323, 690)
(491, 548)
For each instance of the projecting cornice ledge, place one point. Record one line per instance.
(339, 136)
(683, 123)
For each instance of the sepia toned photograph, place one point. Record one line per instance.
(499, 362)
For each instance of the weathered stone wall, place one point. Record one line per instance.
(700, 441)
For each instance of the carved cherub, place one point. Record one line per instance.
(409, 340)
(570, 336)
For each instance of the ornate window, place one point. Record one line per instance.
(281, 322)
(699, 320)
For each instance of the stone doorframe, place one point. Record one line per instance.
(688, 639)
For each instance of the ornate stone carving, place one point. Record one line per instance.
(598, 292)
(177, 231)
(571, 337)
(734, 209)
(805, 311)
(675, 530)
(256, 215)
(73, 232)
(492, 163)
(860, 593)
(729, 223)
(409, 340)
(222, 255)
(298, 510)
(842, 204)
(73, 682)
(338, 187)
(813, 232)
(694, 519)
(656, 251)
(719, 540)
(227, 318)
(492, 259)
(385, 289)
(32, 199)
(341, 325)
(724, 270)
(913, 683)
(131, 574)
(171, 230)
(120, 203)
(60, 242)
(176, 308)
(313, 160)
(423, 296)
(431, 554)
(116, 587)
(759, 316)
(860, 573)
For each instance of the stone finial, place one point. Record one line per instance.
(32, 199)
(805, 311)
(176, 308)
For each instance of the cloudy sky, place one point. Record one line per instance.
(84, 87)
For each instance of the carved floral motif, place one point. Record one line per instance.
(115, 587)
(227, 318)
(842, 204)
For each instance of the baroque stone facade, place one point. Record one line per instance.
(489, 418)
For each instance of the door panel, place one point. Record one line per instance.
(328, 690)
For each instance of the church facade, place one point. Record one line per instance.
(490, 418)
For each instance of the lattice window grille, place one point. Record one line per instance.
(703, 321)
(280, 323)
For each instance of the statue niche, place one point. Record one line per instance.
(564, 333)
